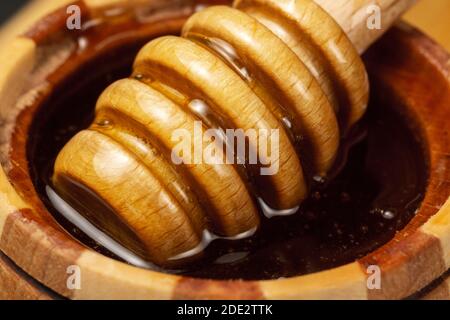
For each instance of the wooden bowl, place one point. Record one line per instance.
(407, 70)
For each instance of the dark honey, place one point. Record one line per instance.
(378, 186)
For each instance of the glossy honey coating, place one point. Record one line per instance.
(261, 65)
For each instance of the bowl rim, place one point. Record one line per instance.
(419, 254)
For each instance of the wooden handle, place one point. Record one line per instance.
(353, 16)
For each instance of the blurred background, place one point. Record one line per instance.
(431, 16)
(8, 7)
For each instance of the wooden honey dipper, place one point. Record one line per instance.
(262, 65)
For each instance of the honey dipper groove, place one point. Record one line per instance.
(260, 65)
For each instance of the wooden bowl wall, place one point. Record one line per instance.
(17, 285)
(406, 68)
